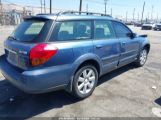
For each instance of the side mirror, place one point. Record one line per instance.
(131, 35)
(143, 36)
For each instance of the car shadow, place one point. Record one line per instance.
(15, 103)
(115, 73)
(158, 101)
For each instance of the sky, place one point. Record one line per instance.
(119, 7)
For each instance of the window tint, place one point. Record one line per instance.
(121, 30)
(35, 28)
(103, 29)
(28, 30)
(72, 30)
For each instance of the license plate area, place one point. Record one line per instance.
(12, 58)
(16, 59)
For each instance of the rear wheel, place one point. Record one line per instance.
(142, 58)
(85, 81)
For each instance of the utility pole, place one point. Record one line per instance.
(105, 2)
(126, 15)
(148, 17)
(50, 6)
(41, 5)
(86, 7)
(152, 12)
(0, 5)
(143, 12)
(44, 6)
(0, 9)
(134, 14)
(1, 13)
(111, 12)
(80, 6)
(157, 17)
(138, 16)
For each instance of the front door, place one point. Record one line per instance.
(129, 46)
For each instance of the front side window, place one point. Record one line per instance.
(72, 30)
(121, 30)
(103, 30)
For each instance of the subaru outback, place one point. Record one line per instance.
(69, 51)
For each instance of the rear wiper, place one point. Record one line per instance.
(12, 37)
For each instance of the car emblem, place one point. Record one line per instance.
(22, 52)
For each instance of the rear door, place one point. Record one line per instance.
(73, 38)
(129, 46)
(106, 45)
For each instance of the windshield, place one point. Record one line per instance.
(28, 31)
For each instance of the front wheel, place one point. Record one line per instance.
(85, 81)
(142, 58)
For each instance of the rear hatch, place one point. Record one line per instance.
(29, 33)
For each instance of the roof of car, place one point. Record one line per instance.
(71, 16)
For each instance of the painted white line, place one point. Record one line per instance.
(1, 77)
(156, 111)
(154, 87)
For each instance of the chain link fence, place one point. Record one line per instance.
(12, 15)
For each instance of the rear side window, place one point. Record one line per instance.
(72, 30)
(103, 30)
(34, 28)
(29, 31)
(121, 30)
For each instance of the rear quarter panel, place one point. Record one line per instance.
(74, 53)
(71, 54)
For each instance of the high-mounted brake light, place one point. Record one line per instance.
(41, 53)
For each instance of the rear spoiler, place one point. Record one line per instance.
(34, 18)
(143, 35)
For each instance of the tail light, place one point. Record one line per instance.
(41, 53)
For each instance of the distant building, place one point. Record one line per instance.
(12, 14)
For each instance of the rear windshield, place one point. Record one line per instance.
(28, 30)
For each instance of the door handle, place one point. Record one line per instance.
(99, 46)
(123, 43)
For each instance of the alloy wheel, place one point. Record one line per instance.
(86, 81)
(143, 57)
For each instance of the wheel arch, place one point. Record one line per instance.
(147, 47)
(90, 59)
(90, 62)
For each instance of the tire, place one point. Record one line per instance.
(142, 58)
(83, 86)
(155, 29)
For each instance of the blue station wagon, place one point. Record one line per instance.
(70, 51)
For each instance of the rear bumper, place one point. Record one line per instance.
(37, 81)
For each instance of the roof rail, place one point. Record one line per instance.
(81, 13)
(45, 14)
(77, 13)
